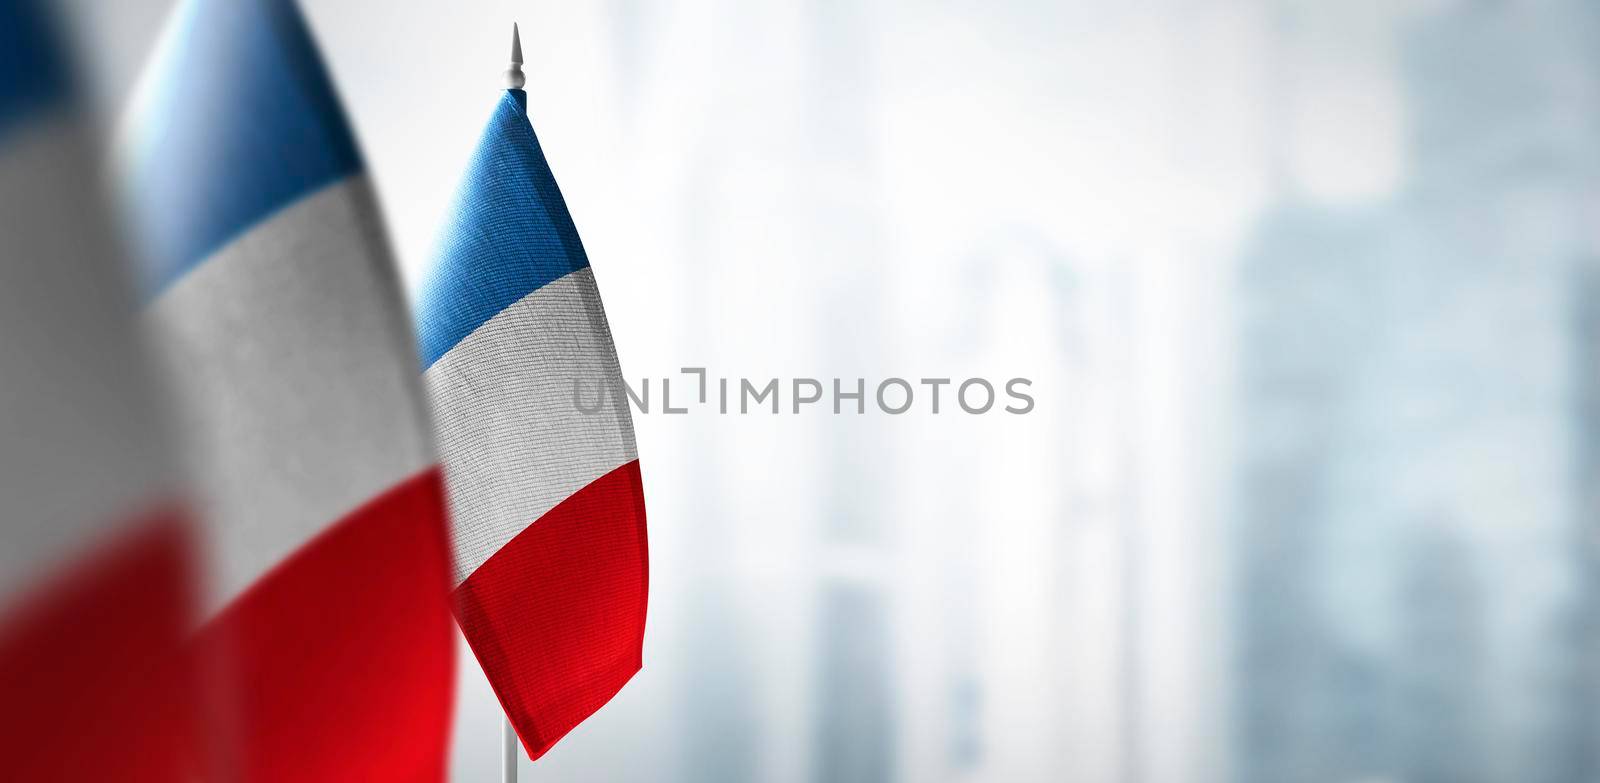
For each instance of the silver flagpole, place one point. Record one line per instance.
(514, 77)
(508, 752)
(508, 736)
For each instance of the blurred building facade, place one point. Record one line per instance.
(1414, 577)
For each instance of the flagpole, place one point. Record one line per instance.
(514, 77)
(508, 735)
(508, 751)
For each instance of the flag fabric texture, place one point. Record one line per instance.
(550, 560)
(275, 303)
(95, 573)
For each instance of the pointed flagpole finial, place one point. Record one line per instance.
(514, 77)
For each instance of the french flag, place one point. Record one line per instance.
(550, 563)
(276, 305)
(96, 576)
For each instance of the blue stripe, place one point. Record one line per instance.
(508, 235)
(243, 121)
(34, 74)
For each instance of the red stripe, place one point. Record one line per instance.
(340, 661)
(556, 616)
(93, 684)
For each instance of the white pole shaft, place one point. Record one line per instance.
(508, 752)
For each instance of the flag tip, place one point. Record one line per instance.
(514, 77)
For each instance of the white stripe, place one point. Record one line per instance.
(294, 361)
(512, 438)
(81, 449)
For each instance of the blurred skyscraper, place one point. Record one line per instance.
(1305, 690)
(1033, 675)
(854, 718)
(1416, 443)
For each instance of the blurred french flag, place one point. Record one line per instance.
(276, 306)
(96, 578)
(550, 561)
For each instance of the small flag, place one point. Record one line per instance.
(276, 305)
(547, 508)
(95, 573)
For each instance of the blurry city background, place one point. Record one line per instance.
(1310, 294)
